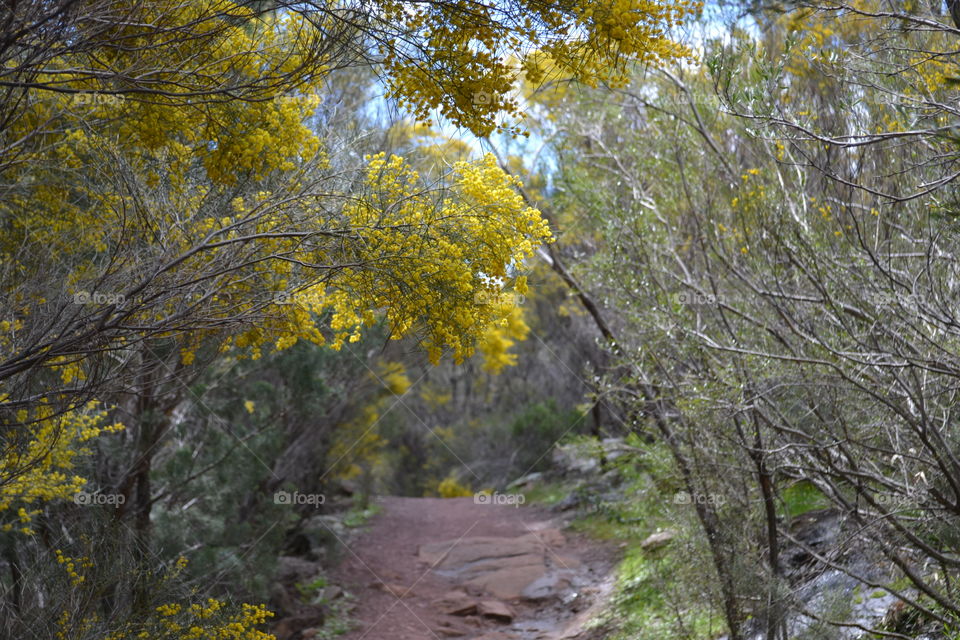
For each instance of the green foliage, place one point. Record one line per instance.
(309, 590)
(246, 425)
(537, 427)
(338, 621)
(646, 607)
(660, 593)
(474, 452)
(547, 493)
(360, 515)
(801, 497)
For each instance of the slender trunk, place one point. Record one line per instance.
(709, 522)
(152, 422)
(775, 621)
(16, 579)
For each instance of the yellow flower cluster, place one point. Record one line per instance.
(427, 264)
(751, 194)
(394, 377)
(213, 620)
(421, 262)
(450, 487)
(38, 472)
(499, 337)
(434, 397)
(70, 566)
(164, 140)
(469, 56)
(185, 195)
(822, 42)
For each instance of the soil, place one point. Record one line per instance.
(435, 568)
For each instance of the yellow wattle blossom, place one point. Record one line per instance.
(498, 338)
(212, 620)
(431, 261)
(70, 566)
(450, 487)
(591, 41)
(40, 472)
(433, 397)
(394, 377)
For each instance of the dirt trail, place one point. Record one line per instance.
(433, 569)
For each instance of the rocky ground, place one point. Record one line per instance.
(431, 568)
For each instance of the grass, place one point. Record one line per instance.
(600, 527)
(801, 497)
(359, 516)
(658, 594)
(338, 620)
(548, 493)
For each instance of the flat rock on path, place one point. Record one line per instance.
(437, 568)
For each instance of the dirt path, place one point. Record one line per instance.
(432, 569)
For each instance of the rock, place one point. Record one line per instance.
(506, 568)
(526, 481)
(459, 553)
(548, 537)
(449, 632)
(289, 627)
(548, 586)
(474, 621)
(349, 487)
(819, 530)
(292, 569)
(398, 590)
(456, 603)
(566, 561)
(613, 448)
(496, 610)
(612, 478)
(658, 540)
(463, 608)
(331, 593)
(319, 532)
(509, 583)
(571, 501)
(283, 601)
(577, 459)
